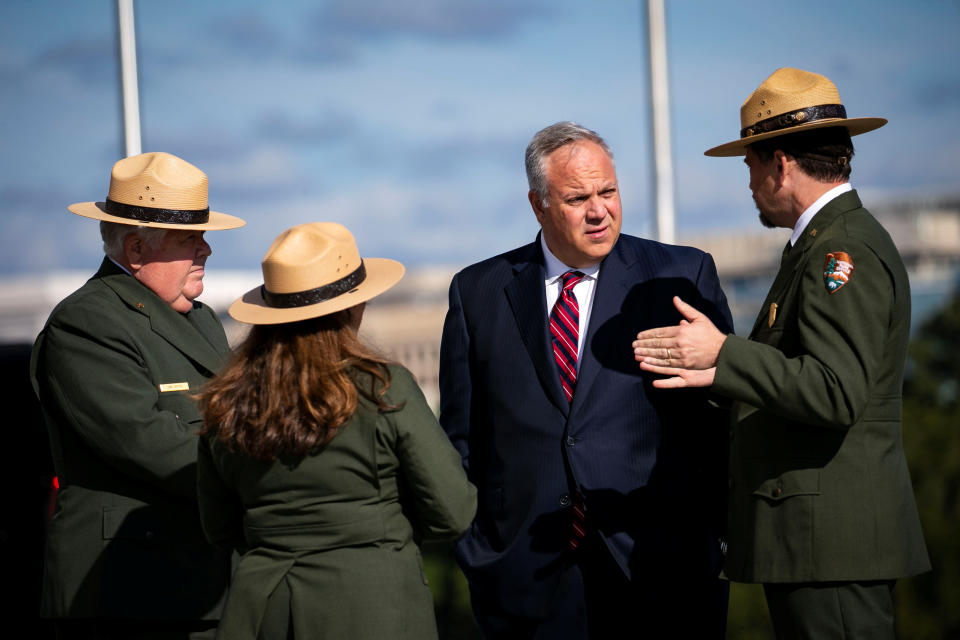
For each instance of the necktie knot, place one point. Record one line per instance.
(571, 279)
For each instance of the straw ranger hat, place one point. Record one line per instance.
(790, 101)
(313, 270)
(157, 190)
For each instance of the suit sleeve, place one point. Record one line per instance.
(716, 307)
(442, 499)
(221, 512)
(711, 418)
(97, 383)
(842, 339)
(455, 382)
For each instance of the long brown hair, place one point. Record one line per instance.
(290, 387)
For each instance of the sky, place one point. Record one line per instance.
(406, 120)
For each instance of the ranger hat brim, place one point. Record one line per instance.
(791, 101)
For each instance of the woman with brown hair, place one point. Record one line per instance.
(320, 462)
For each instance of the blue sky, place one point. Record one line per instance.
(407, 120)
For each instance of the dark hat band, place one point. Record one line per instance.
(314, 296)
(149, 214)
(795, 118)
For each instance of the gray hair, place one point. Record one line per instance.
(548, 140)
(114, 233)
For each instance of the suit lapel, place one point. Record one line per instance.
(182, 334)
(788, 264)
(609, 293)
(525, 293)
(172, 326)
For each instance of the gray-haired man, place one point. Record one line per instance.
(114, 368)
(585, 525)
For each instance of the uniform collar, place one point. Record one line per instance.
(814, 208)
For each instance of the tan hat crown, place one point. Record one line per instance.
(313, 270)
(158, 181)
(787, 90)
(157, 189)
(790, 101)
(309, 256)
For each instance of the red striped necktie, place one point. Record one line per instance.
(565, 331)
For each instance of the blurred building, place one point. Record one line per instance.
(406, 322)
(927, 233)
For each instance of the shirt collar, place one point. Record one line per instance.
(812, 210)
(120, 265)
(555, 268)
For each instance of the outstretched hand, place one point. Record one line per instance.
(688, 351)
(680, 378)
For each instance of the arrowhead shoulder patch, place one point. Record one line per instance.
(837, 270)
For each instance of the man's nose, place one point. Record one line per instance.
(596, 209)
(203, 249)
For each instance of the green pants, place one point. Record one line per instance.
(832, 610)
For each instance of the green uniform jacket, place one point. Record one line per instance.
(820, 489)
(329, 541)
(113, 368)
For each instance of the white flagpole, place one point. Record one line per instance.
(128, 77)
(660, 113)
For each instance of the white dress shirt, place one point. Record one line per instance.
(583, 290)
(814, 208)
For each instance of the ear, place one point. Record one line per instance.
(784, 165)
(133, 249)
(537, 205)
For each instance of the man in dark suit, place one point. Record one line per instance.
(114, 369)
(600, 498)
(821, 507)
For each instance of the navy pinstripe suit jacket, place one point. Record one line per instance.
(651, 464)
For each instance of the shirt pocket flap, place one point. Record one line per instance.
(795, 482)
(181, 404)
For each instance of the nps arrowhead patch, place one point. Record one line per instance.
(837, 270)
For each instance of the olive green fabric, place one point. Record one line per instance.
(820, 489)
(125, 539)
(331, 539)
(832, 610)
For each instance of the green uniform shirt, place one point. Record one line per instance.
(114, 368)
(820, 489)
(329, 541)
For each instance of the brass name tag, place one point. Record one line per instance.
(174, 386)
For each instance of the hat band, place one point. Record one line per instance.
(795, 118)
(314, 296)
(149, 214)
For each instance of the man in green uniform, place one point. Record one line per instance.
(821, 506)
(114, 369)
